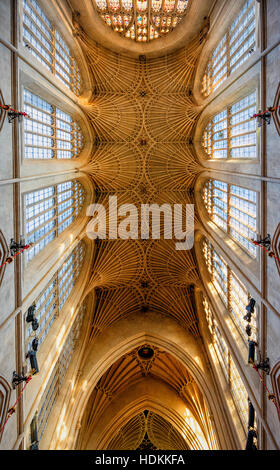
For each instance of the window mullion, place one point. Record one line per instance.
(228, 208)
(75, 203)
(57, 294)
(211, 199)
(228, 52)
(212, 139)
(72, 85)
(228, 131)
(212, 263)
(53, 50)
(211, 77)
(229, 370)
(74, 150)
(56, 210)
(54, 133)
(228, 289)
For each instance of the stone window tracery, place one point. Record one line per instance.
(231, 133)
(56, 379)
(234, 210)
(233, 50)
(231, 290)
(142, 20)
(49, 211)
(231, 374)
(46, 44)
(50, 302)
(49, 132)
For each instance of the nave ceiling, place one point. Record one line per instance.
(130, 371)
(143, 116)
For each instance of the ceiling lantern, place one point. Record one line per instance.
(142, 20)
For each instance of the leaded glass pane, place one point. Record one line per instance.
(237, 388)
(232, 133)
(234, 209)
(49, 211)
(48, 131)
(57, 377)
(233, 50)
(48, 47)
(143, 20)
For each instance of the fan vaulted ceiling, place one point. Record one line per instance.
(143, 115)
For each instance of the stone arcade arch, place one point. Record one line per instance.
(120, 339)
(154, 396)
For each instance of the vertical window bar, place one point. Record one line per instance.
(34, 440)
(54, 49)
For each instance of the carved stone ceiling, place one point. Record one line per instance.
(125, 374)
(148, 431)
(143, 116)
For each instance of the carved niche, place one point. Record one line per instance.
(4, 251)
(5, 393)
(276, 114)
(275, 246)
(2, 111)
(275, 380)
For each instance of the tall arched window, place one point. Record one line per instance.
(49, 132)
(231, 290)
(49, 211)
(234, 48)
(233, 209)
(46, 44)
(56, 379)
(50, 302)
(232, 133)
(231, 374)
